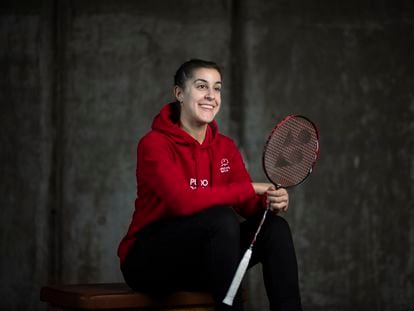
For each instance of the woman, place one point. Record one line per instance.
(185, 234)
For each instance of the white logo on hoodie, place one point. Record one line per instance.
(224, 166)
(193, 183)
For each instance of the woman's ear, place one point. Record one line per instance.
(178, 93)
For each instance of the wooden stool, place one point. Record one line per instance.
(118, 296)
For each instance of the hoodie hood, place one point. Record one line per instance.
(165, 123)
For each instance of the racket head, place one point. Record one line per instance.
(291, 151)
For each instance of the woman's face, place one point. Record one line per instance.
(201, 97)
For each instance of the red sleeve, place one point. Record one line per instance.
(239, 173)
(156, 166)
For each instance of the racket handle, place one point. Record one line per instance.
(238, 277)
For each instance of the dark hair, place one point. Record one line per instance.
(186, 70)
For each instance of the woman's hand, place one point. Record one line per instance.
(261, 187)
(277, 199)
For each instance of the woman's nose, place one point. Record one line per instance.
(210, 95)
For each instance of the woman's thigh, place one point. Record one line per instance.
(171, 254)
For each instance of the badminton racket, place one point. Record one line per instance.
(289, 156)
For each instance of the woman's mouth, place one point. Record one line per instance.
(207, 106)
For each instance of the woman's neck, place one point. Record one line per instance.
(198, 132)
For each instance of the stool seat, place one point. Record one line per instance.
(118, 296)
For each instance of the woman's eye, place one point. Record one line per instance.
(218, 89)
(202, 86)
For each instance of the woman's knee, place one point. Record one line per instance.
(278, 228)
(222, 220)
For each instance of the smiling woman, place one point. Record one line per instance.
(184, 234)
(200, 99)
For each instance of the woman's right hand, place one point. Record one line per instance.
(277, 199)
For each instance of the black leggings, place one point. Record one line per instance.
(202, 252)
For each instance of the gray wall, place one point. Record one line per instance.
(81, 81)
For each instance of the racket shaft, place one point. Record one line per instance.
(259, 227)
(238, 277)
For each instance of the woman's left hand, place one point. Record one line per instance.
(277, 199)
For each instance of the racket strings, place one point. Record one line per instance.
(291, 151)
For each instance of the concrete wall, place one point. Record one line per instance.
(349, 67)
(26, 140)
(82, 80)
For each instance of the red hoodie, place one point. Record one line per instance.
(178, 176)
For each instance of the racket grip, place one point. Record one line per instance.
(238, 277)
